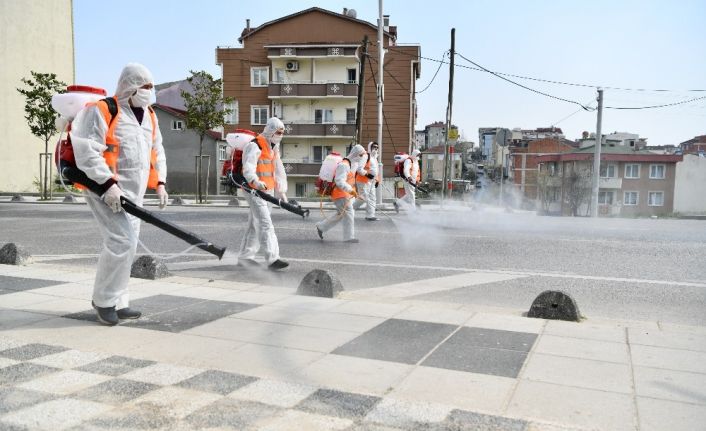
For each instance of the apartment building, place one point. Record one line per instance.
(633, 182)
(304, 68)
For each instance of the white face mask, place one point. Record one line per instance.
(142, 98)
(275, 139)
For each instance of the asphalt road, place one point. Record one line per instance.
(645, 269)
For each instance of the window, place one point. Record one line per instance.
(655, 199)
(259, 114)
(279, 75)
(350, 116)
(258, 76)
(300, 190)
(352, 76)
(605, 198)
(323, 116)
(607, 171)
(657, 172)
(232, 117)
(221, 152)
(320, 152)
(553, 168)
(629, 198)
(177, 125)
(632, 170)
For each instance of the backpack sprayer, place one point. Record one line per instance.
(233, 171)
(68, 105)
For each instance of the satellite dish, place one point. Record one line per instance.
(352, 13)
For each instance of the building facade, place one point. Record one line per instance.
(36, 36)
(690, 186)
(181, 146)
(304, 68)
(632, 182)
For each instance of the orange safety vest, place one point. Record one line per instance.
(419, 169)
(340, 194)
(112, 153)
(362, 178)
(265, 169)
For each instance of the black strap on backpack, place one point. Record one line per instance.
(112, 108)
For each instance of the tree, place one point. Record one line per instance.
(577, 188)
(40, 116)
(204, 112)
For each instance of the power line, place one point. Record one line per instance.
(389, 134)
(549, 81)
(657, 106)
(524, 86)
(441, 63)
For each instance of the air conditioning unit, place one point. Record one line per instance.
(292, 66)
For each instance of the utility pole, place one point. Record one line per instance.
(380, 94)
(448, 113)
(597, 157)
(361, 92)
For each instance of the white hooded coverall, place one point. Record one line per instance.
(260, 234)
(366, 191)
(120, 231)
(410, 170)
(345, 212)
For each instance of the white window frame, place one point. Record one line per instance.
(177, 125)
(626, 171)
(354, 115)
(325, 151)
(649, 200)
(279, 76)
(232, 118)
(324, 111)
(664, 171)
(252, 114)
(257, 75)
(608, 167)
(625, 196)
(355, 70)
(222, 152)
(605, 194)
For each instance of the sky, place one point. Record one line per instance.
(626, 44)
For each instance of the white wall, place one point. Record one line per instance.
(303, 75)
(303, 109)
(689, 186)
(333, 69)
(37, 35)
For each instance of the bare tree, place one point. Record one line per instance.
(577, 188)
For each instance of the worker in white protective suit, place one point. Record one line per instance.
(366, 182)
(343, 195)
(263, 170)
(124, 154)
(412, 175)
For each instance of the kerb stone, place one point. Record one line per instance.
(321, 283)
(555, 305)
(149, 267)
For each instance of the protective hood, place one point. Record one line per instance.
(356, 153)
(416, 153)
(273, 124)
(370, 146)
(132, 77)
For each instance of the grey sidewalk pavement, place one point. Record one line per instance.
(228, 355)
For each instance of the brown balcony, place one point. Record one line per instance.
(334, 89)
(301, 168)
(330, 130)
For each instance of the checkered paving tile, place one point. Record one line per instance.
(10, 284)
(82, 395)
(476, 350)
(173, 313)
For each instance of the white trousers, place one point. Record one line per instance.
(120, 232)
(366, 193)
(409, 198)
(345, 213)
(260, 235)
